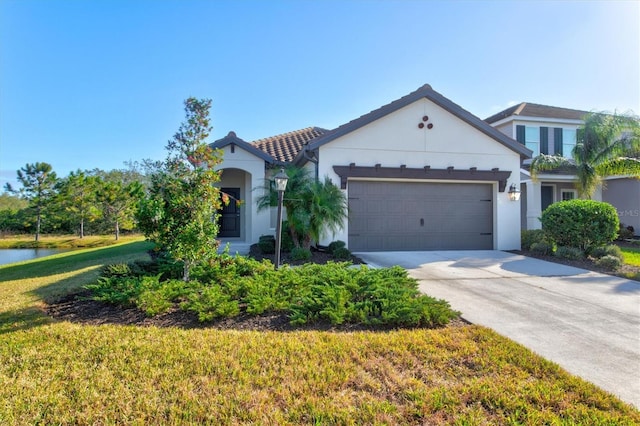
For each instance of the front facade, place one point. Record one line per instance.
(553, 131)
(420, 173)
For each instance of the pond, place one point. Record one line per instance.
(18, 255)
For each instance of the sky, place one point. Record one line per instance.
(92, 84)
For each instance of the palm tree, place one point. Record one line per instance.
(607, 145)
(313, 207)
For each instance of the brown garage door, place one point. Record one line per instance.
(420, 216)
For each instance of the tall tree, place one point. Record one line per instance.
(38, 188)
(180, 212)
(119, 200)
(77, 195)
(607, 145)
(313, 207)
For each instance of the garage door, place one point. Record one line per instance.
(420, 216)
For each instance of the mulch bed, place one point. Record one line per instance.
(80, 308)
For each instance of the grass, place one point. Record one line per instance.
(62, 373)
(64, 241)
(631, 256)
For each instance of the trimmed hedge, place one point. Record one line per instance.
(580, 223)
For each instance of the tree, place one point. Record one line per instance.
(38, 188)
(313, 207)
(606, 145)
(118, 200)
(77, 195)
(181, 209)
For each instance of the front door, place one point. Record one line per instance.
(229, 219)
(546, 196)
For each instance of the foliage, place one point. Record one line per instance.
(572, 253)
(38, 182)
(118, 196)
(181, 209)
(334, 245)
(542, 248)
(606, 145)
(267, 244)
(530, 236)
(610, 262)
(625, 232)
(313, 207)
(77, 195)
(300, 253)
(65, 373)
(580, 223)
(341, 253)
(610, 250)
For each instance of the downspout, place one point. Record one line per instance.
(310, 156)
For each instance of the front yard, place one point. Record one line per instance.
(61, 372)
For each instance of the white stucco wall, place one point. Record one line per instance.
(396, 139)
(246, 171)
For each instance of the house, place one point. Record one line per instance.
(420, 173)
(552, 130)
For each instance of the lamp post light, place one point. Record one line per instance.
(281, 184)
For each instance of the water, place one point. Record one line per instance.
(18, 255)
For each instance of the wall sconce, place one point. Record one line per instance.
(514, 192)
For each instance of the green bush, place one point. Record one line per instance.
(300, 253)
(531, 236)
(267, 244)
(286, 243)
(542, 248)
(342, 253)
(610, 250)
(609, 262)
(580, 223)
(572, 253)
(625, 232)
(115, 270)
(334, 245)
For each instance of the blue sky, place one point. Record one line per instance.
(86, 84)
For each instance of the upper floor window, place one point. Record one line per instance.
(532, 139)
(568, 142)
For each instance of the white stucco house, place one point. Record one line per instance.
(420, 173)
(552, 130)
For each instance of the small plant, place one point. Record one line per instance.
(625, 232)
(531, 236)
(333, 246)
(267, 244)
(609, 262)
(571, 253)
(300, 253)
(541, 248)
(116, 270)
(610, 250)
(341, 253)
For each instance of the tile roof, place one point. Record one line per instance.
(528, 109)
(286, 146)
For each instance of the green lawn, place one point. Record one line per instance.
(64, 241)
(631, 255)
(62, 373)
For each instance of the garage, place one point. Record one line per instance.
(392, 216)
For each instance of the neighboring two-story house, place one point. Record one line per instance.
(553, 130)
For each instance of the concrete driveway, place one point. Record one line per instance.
(588, 323)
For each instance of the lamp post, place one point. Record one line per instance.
(281, 184)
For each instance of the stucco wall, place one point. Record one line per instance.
(395, 140)
(624, 195)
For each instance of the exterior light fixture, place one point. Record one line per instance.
(281, 180)
(514, 192)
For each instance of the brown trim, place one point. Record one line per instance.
(425, 173)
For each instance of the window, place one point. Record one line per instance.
(568, 142)
(568, 194)
(532, 139)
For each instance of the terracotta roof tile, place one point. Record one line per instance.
(286, 146)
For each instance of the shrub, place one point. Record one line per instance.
(580, 223)
(530, 237)
(115, 270)
(342, 253)
(572, 253)
(333, 246)
(286, 244)
(300, 253)
(267, 244)
(610, 250)
(609, 262)
(625, 232)
(542, 248)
